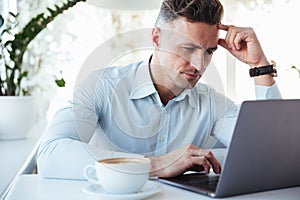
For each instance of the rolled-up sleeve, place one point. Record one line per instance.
(267, 92)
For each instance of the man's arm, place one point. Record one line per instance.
(65, 150)
(62, 153)
(244, 45)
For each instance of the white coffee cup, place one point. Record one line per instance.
(119, 175)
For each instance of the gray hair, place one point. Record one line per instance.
(207, 11)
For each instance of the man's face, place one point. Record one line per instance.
(184, 51)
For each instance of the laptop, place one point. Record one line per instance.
(264, 153)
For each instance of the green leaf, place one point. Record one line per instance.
(24, 74)
(1, 21)
(8, 43)
(60, 82)
(13, 14)
(8, 67)
(5, 31)
(52, 12)
(298, 70)
(25, 92)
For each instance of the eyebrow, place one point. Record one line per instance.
(199, 47)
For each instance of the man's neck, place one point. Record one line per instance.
(166, 92)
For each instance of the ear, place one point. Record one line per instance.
(156, 37)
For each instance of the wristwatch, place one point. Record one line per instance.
(268, 69)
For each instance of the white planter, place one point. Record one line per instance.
(17, 115)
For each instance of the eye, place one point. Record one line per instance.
(189, 49)
(210, 51)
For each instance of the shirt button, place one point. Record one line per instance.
(161, 139)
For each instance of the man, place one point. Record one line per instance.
(157, 108)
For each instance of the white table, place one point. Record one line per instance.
(17, 156)
(34, 187)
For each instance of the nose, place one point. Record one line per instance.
(197, 60)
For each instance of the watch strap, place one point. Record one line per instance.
(268, 69)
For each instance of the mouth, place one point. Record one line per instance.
(191, 76)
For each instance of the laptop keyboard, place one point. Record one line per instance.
(205, 182)
(197, 181)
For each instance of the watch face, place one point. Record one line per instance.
(254, 72)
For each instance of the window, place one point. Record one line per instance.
(76, 33)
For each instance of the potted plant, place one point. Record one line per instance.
(16, 104)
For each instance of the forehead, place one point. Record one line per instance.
(198, 33)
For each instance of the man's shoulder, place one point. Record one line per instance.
(110, 76)
(119, 71)
(215, 97)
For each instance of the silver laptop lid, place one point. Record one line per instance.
(264, 153)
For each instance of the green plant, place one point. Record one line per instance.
(298, 70)
(12, 49)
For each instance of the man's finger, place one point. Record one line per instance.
(223, 27)
(203, 162)
(214, 162)
(223, 43)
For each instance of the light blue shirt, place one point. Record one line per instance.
(118, 112)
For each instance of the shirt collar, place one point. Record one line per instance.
(192, 95)
(142, 84)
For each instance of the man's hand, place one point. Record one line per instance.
(182, 160)
(243, 44)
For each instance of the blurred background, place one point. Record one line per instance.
(62, 47)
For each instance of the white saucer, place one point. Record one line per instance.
(149, 189)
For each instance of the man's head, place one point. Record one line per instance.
(206, 11)
(185, 37)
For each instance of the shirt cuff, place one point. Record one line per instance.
(267, 92)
